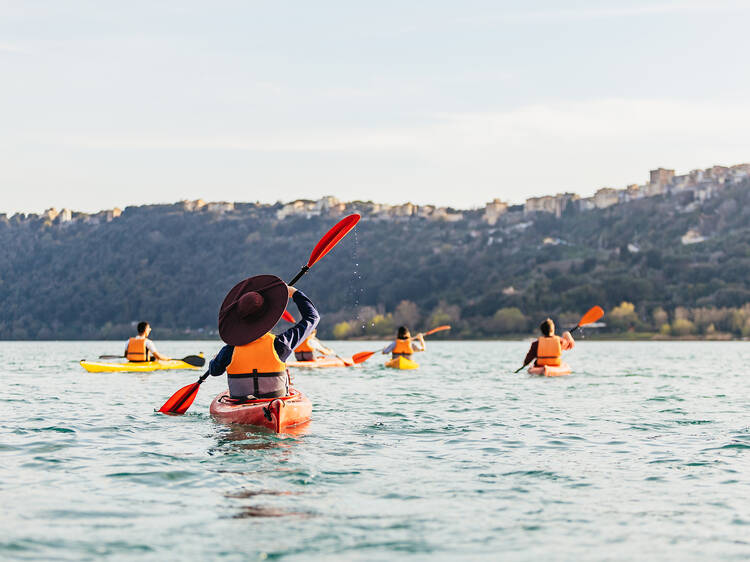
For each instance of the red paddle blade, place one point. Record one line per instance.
(181, 400)
(288, 317)
(332, 238)
(362, 356)
(591, 316)
(438, 329)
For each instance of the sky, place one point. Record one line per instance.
(106, 104)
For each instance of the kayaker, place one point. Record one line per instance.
(140, 348)
(253, 357)
(404, 346)
(306, 350)
(548, 349)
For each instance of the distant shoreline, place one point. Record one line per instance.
(516, 338)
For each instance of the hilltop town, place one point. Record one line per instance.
(689, 190)
(669, 258)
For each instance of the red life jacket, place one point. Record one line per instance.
(549, 351)
(257, 370)
(137, 350)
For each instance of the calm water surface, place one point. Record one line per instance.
(644, 452)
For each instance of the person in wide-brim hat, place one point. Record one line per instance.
(253, 357)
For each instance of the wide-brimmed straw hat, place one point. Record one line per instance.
(252, 308)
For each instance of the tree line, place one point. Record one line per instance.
(173, 268)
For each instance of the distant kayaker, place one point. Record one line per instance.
(404, 346)
(140, 348)
(548, 349)
(306, 350)
(253, 357)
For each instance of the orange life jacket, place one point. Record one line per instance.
(402, 347)
(137, 350)
(549, 351)
(304, 347)
(257, 370)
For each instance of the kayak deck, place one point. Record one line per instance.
(275, 414)
(322, 362)
(402, 363)
(139, 367)
(550, 371)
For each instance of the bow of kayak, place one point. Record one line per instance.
(401, 363)
(275, 414)
(322, 362)
(550, 371)
(135, 367)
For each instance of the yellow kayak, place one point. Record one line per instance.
(401, 363)
(138, 367)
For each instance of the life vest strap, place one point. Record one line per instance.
(256, 376)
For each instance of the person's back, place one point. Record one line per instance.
(547, 350)
(403, 346)
(305, 351)
(254, 359)
(140, 348)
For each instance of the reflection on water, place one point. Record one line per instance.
(248, 511)
(249, 437)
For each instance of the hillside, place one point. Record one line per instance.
(683, 263)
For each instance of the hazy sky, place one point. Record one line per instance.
(107, 104)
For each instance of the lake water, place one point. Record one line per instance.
(642, 453)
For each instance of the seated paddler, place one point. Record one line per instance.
(405, 346)
(306, 350)
(140, 348)
(547, 350)
(253, 357)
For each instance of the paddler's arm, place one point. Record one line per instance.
(388, 348)
(318, 346)
(567, 341)
(219, 364)
(419, 345)
(531, 355)
(152, 348)
(289, 340)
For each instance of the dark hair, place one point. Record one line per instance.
(403, 332)
(142, 327)
(546, 327)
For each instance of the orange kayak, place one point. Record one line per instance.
(276, 414)
(322, 362)
(549, 371)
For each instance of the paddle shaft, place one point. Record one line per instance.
(297, 277)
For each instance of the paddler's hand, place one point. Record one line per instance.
(291, 291)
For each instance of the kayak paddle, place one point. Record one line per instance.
(288, 317)
(194, 360)
(363, 356)
(326, 244)
(181, 400)
(593, 314)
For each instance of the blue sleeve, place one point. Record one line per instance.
(287, 341)
(219, 364)
(389, 347)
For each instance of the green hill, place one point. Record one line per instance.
(90, 278)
